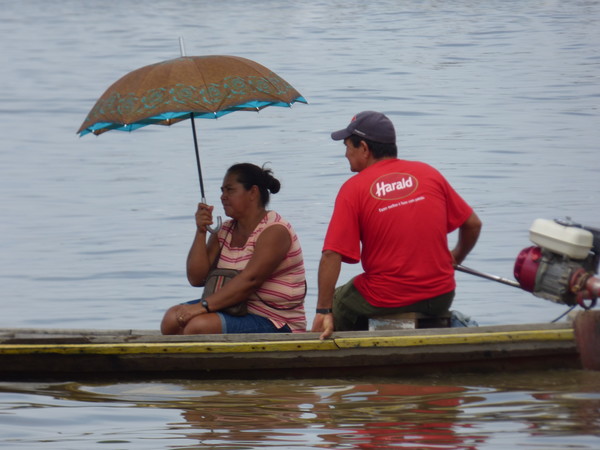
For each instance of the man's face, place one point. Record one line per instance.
(355, 155)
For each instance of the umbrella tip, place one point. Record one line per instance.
(181, 46)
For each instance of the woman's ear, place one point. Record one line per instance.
(255, 192)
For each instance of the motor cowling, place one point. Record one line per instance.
(561, 267)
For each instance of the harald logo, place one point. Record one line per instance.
(394, 186)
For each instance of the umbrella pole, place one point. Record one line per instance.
(197, 156)
(219, 221)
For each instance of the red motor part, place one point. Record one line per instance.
(556, 277)
(561, 267)
(526, 267)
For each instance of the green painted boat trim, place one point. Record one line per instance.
(453, 339)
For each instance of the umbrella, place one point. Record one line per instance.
(191, 87)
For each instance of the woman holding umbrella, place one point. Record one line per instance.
(258, 243)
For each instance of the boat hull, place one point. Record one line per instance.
(78, 354)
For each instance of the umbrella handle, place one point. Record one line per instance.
(219, 222)
(218, 227)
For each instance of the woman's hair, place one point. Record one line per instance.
(251, 175)
(378, 149)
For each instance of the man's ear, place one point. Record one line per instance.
(364, 148)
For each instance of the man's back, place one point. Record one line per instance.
(395, 217)
(401, 212)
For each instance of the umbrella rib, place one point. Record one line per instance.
(203, 78)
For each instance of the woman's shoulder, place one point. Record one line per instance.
(273, 218)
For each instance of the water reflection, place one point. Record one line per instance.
(363, 415)
(454, 412)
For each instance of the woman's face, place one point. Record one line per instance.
(235, 198)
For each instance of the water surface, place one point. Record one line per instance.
(501, 96)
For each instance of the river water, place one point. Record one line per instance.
(501, 96)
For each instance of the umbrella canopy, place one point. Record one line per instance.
(188, 87)
(170, 91)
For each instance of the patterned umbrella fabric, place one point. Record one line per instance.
(170, 91)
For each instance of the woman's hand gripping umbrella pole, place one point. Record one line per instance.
(219, 220)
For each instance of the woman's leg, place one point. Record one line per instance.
(204, 324)
(169, 324)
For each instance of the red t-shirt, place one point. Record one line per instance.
(401, 213)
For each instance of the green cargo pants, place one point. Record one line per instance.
(351, 311)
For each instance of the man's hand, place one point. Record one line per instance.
(323, 323)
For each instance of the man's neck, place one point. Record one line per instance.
(372, 160)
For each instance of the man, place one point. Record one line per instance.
(394, 216)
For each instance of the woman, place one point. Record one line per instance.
(259, 243)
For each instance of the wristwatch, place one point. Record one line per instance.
(204, 303)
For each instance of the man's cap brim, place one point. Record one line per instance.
(340, 135)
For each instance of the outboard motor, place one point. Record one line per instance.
(561, 267)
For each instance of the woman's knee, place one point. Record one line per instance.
(169, 324)
(204, 324)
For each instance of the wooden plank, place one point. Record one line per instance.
(406, 321)
(167, 347)
(587, 336)
(292, 345)
(464, 339)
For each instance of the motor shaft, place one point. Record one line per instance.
(488, 276)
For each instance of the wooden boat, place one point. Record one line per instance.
(28, 354)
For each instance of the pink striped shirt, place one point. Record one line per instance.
(281, 298)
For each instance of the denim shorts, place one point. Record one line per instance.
(250, 323)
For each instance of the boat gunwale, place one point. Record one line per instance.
(19, 341)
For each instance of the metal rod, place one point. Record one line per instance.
(181, 47)
(219, 220)
(488, 276)
(197, 155)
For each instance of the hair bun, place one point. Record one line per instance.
(273, 184)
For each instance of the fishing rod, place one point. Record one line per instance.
(488, 276)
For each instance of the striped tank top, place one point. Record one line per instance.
(281, 298)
